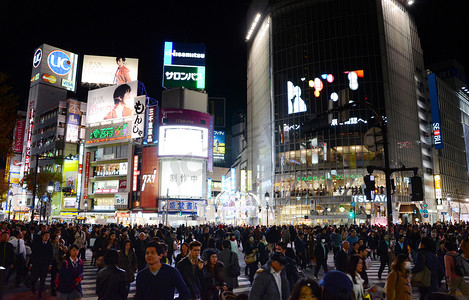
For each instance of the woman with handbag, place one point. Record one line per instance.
(251, 258)
(427, 272)
(398, 282)
(353, 270)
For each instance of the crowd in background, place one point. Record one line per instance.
(203, 260)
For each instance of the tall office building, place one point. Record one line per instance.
(308, 57)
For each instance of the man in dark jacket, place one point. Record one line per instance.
(300, 247)
(7, 254)
(341, 257)
(41, 261)
(139, 247)
(192, 270)
(290, 270)
(270, 283)
(320, 257)
(111, 282)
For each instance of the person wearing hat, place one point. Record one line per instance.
(269, 282)
(336, 285)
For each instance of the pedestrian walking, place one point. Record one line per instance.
(398, 282)
(80, 241)
(426, 258)
(215, 283)
(41, 262)
(454, 278)
(353, 270)
(19, 249)
(383, 253)
(70, 276)
(320, 257)
(128, 261)
(290, 269)
(231, 271)
(269, 282)
(159, 280)
(112, 282)
(250, 258)
(306, 289)
(341, 258)
(191, 269)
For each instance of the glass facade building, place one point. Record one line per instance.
(306, 58)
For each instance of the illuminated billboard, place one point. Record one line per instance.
(177, 140)
(55, 67)
(182, 179)
(149, 178)
(184, 65)
(110, 103)
(109, 69)
(219, 146)
(108, 133)
(435, 108)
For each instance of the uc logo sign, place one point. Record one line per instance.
(37, 58)
(59, 62)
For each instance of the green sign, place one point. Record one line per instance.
(328, 177)
(184, 76)
(109, 133)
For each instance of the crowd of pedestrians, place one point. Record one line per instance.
(202, 262)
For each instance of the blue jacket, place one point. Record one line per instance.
(70, 276)
(162, 285)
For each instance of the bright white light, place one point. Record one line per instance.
(253, 26)
(334, 97)
(410, 2)
(183, 141)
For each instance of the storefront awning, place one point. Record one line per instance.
(408, 208)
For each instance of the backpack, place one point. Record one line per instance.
(461, 264)
(233, 268)
(57, 278)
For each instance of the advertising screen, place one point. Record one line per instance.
(182, 179)
(218, 145)
(184, 65)
(110, 103)
(149, 178)
(70, 174)
(109, 69)
(54, 66)
(179, 116)
(183, 141)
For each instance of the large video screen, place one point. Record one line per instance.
(109, 103)
(109, 69)
(189, 141)
(182, 179)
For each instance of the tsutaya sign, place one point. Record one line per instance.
(362, 198)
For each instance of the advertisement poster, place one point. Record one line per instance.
(109, 69)
(19, 136)
(138, 122)
(110, 103)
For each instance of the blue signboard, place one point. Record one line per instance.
(436, 125)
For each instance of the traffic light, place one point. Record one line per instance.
(417, 189)
(351, 214)
(369, 187)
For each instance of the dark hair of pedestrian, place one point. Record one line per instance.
(450, 246)
(195, 244)
(111, 257)
(427, 244)
(159, 248)
(309, 282)
(398, 262)
(74, 246)
(351, 267)
(282, 245)
(226, 244)
(211, 242)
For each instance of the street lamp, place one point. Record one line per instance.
(50, 190)
(267, 198)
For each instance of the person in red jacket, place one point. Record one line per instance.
(122, 73)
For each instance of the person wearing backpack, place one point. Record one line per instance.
(454, 274)
(231, 271)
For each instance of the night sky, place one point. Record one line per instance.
(139, 30)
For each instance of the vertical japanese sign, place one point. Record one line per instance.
(436, 125)
(86, 180)
(27, 156)
(73, 121)
(136, 173)
(151, 126)
(210, 143)
(138, 124)
(438, 190)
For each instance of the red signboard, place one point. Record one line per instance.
(149, 178)
(19, 136)
(86, 181)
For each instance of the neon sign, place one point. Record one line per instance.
(59, 62)
(109, 134)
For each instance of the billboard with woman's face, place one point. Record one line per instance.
(114, 102)
(109, 69)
